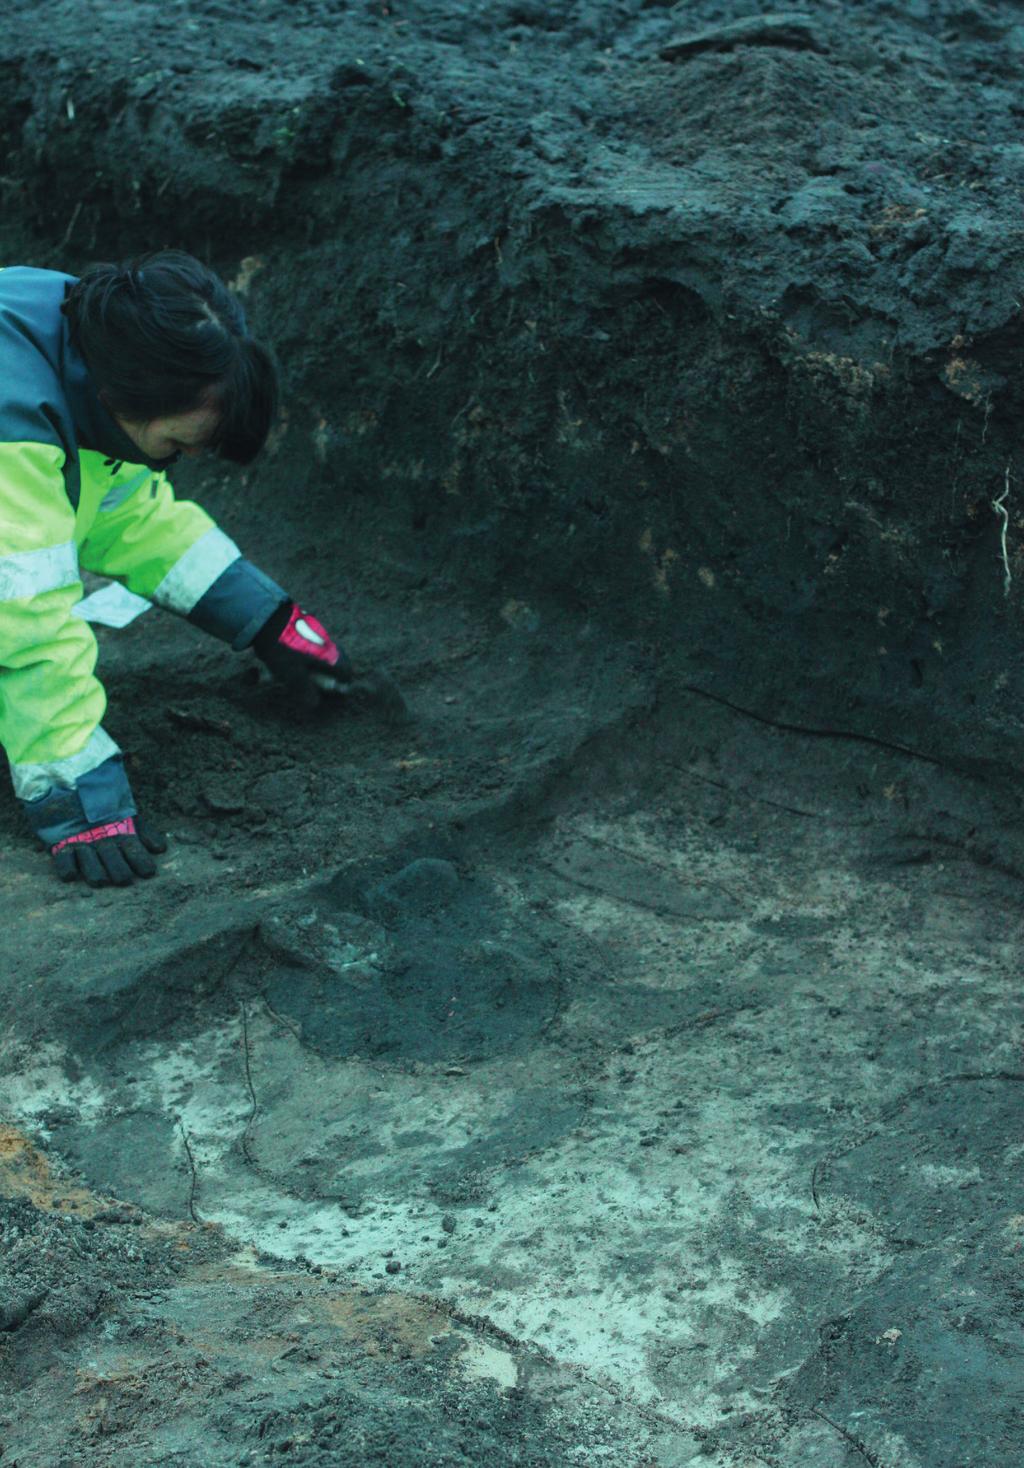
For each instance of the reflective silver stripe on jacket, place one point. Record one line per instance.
(120, 492)
(30, 572)
(194, 573)
(31, 781)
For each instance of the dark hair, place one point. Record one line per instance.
(162, 335)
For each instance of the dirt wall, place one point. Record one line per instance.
(714, 331)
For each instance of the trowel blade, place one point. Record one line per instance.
(374, 690)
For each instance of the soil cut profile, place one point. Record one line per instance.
(616, 1057)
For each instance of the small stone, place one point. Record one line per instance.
(448, 1223)
(393, 1266)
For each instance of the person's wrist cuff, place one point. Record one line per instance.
(99, 796)
(268, 635)
(238, 604)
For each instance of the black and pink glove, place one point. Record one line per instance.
(116, 852)
(92, 828)
(299, 652)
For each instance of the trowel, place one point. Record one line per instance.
(373, 690)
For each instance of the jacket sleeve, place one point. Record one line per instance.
(51, 703)
(171, 552)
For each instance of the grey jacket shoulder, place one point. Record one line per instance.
(33, 348)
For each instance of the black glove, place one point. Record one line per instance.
(299, 652)
(92, 828)
(114, 853)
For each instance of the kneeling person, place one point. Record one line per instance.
(106, 381)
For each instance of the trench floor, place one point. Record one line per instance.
(606, 1077)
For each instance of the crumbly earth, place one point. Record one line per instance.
(617, 1060)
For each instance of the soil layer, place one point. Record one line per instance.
(617, 1060)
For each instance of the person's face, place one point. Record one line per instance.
(180, 433)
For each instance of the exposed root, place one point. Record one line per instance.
(928, 759)
(658, 866)
(246, 1149)
(194, 1187)
(999, 506)
(866, 1453)
(736, 794)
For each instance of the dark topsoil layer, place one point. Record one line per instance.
(627, 355)
(723, 348)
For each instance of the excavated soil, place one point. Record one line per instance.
(617, 1059)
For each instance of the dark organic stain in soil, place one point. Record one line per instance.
(419, 963)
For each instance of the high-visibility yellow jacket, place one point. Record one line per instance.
(75, 493)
